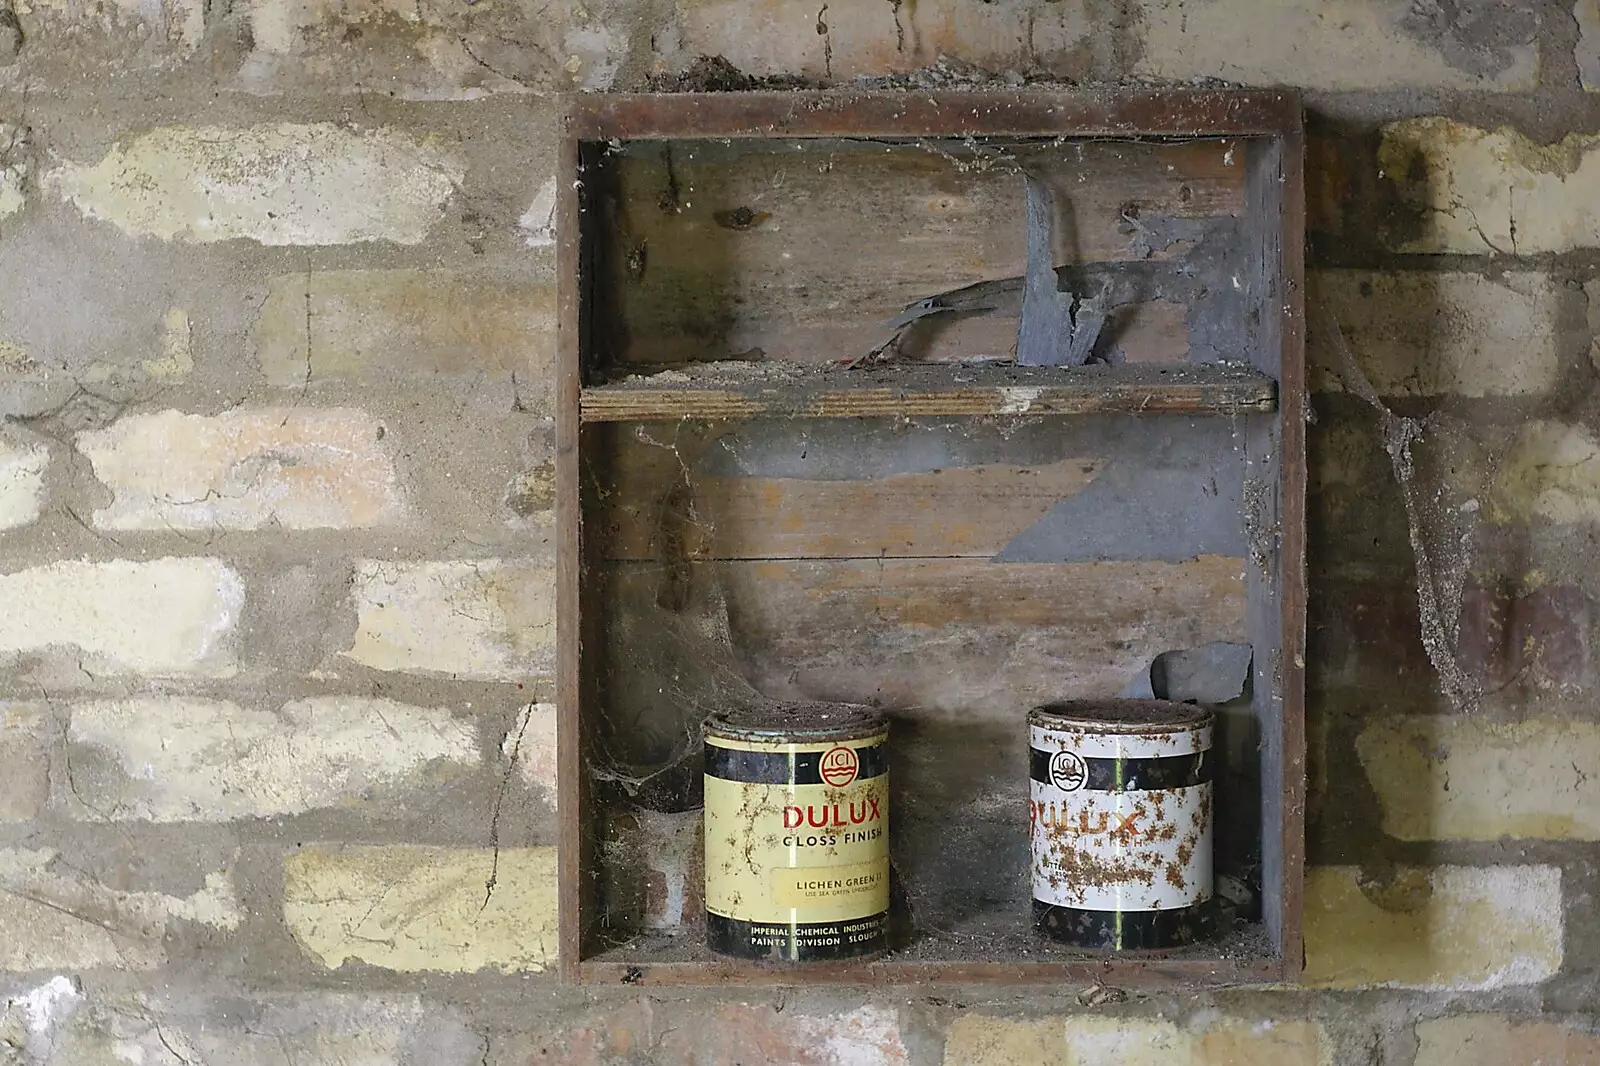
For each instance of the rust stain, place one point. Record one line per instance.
(1073, 867)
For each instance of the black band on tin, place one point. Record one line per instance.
(783, 768)
(1125, 930)
(847, 938)
(1123, 775)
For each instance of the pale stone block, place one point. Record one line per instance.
(283, 468)
(285, 184)
(424, 908)
(166, 617)
(191, 760)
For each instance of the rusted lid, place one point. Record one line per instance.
(1120, 716)
(797, 721)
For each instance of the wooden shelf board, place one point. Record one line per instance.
(896, 113)
(733, 390)
(1242, 957)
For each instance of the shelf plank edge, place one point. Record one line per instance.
(1112, 971)
(636, 404)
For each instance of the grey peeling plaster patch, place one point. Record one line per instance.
(1477, 36)
(1587, 13)
(1170, 512)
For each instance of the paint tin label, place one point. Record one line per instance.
(797, 848)
(1121, 827)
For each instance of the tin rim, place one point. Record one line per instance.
(797, 721)
(1121, 716)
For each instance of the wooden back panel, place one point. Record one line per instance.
(954, 572)
(802, 250)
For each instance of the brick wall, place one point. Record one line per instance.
(276, 327)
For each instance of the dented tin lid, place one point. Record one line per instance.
(797, 721)
(1120, 716)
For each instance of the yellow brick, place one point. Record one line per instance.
(734, 1034)
(1424, 334)
(281, 467)
(1332, 45)
(1449, 927)
(1494, 191)
(283, 184)
(24, 752)
(55, 917)
(1495, 1039)
(177, 759)
(982, 1040)
(480, 619)
(424, 908)
(1289, 1043)
(361, 323)
(22, 467)
(1552, 473)
(282, 27)
(1126, 1041)
(164, 27)
(14, 172)
(782, 36)
(164, 617)
(1467, 779)
(534, 744)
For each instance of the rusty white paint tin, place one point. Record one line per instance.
(797, 832)
(1121, 818)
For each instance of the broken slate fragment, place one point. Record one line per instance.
(1056, 329)
(1211, 674)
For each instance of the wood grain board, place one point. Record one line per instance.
(803, 249)
(955, 635)
(961, 511)
(737, 390)
(880, 113)
(634, 969)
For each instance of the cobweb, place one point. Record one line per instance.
(672, 664)
(667, 648)
(671, 660)
(1442, 531)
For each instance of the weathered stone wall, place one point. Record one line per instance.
(276, 328)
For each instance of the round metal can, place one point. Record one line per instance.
(797, 832)
(1121, 817)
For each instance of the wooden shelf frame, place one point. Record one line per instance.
(1273, 119)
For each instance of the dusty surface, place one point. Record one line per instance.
(208, 209)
